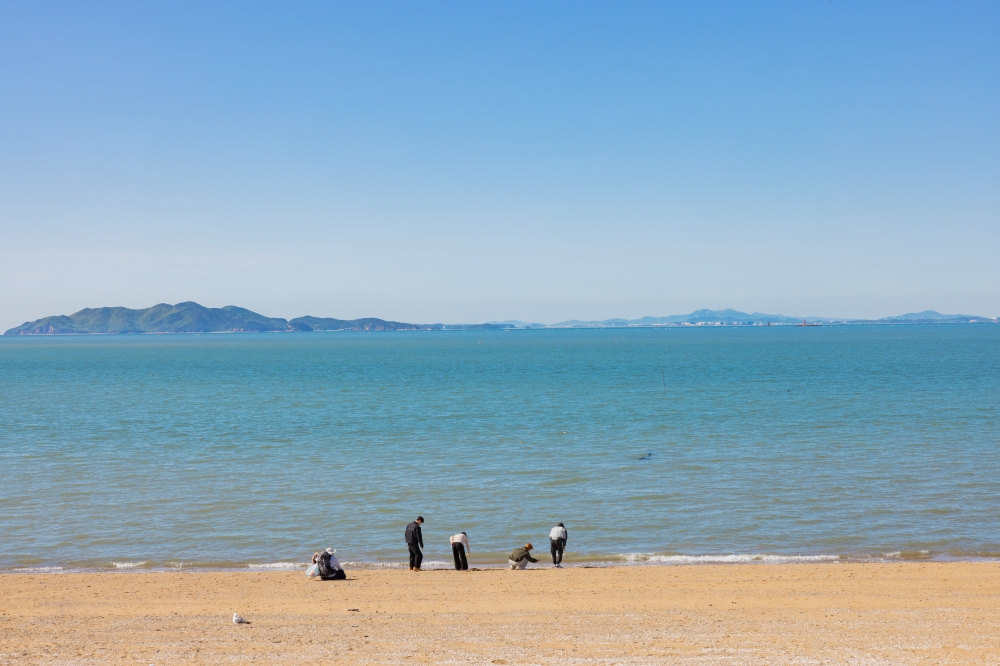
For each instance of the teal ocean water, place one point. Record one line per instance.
(255, 450)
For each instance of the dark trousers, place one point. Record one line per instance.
(557, 546)
(416, 557)
(458, 550)
(338, 574)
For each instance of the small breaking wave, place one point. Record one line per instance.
(36, 570)
(761, 558)
(375, 565)
(278, 565)
(434, 564)
(908, 555)
(128, 565)
(426, 564)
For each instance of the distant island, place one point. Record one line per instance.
(729, 317)
(190, 317)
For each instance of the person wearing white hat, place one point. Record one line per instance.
(329, 566)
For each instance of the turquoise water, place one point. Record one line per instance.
(258, 449)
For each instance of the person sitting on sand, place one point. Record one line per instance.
(329, 566)
(519, 557)
(313, 569)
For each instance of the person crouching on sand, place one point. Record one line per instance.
(519, 557)
(459, 543)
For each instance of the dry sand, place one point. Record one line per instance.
(733, 614)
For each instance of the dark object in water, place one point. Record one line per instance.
(647, 456)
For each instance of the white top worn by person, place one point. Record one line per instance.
(462, 539)
(558, 532)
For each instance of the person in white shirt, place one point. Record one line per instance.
(329, 566)
(557, 543)
(459, 544)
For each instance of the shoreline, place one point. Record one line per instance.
(628, 561)
(942, 612)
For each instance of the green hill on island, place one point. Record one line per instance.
(190, 317)
(367, 324)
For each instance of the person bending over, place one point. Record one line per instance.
(557, 543)
(459, 543)
(519, 557)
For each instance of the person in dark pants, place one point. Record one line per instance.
(415, 542)
(459, 543)
(329, 566)
(557, 543)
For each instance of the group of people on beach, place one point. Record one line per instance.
(460, 549)
(326, 566)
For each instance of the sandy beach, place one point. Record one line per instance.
(907, 613)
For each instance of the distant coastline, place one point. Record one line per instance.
(190, 317)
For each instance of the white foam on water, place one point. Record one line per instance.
(376, 565)
(278, 565)
(899, 553)
(37, 570)
(127, 565)
(426, 564)
(762, 558)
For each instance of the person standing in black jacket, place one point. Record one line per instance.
(415, 542)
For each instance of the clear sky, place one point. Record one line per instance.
(473, 161)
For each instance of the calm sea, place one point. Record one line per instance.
(651, 445)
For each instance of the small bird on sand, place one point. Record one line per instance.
(239, 620)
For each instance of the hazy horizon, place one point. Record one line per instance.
(576, 319)
(425, 321)
(470, 163)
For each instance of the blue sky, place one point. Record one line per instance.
(464, 162)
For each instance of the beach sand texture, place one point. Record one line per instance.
(907, 613)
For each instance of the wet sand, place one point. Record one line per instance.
(908, 613)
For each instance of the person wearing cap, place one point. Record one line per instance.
(557, 543)
(415, 542)
(519, 557)
(459, 544)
